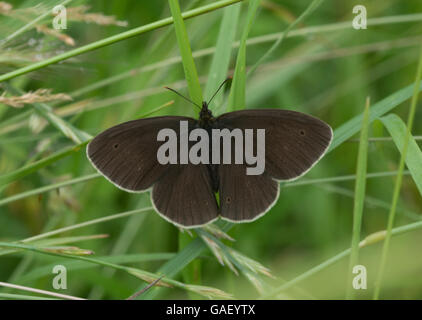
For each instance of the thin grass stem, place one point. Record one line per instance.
(359, 199)
(397, 186)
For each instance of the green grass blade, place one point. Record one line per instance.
(237, 99)
(372, 202)
(397, 185)
(172, 267)
(192, 273)
(221, 58)
(45, 292)
(250, 268)
(359, 198)
(13, 120)
(351, 127)
(40, 190)
(67, 240)
(138, 273)
(31, 168)
(31, 24)
(334, 27)
(13, 296)
(255, 93)
(189, 67)
(304, 182)
(178, 263)
(87, 223)
(308, 11)
(60, 241)
(368, 241)
(45, 270)
(76, 135)
(397, 129)
(116, 38)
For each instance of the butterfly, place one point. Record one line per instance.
(186, 194)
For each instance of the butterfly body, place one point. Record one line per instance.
(184, 194)
(206, 119)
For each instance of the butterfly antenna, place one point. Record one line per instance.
(219, 88)
(181, 95)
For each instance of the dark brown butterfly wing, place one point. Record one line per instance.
(244, 197)
(126, 154)
(184, 195)
(294, 141)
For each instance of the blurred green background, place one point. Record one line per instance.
(325, 73)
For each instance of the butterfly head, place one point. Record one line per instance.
(205, 116)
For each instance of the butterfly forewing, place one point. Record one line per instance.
(294, 141)
(126, 154)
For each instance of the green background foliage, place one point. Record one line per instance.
(54, 208)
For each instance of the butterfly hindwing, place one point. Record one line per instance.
(245, 197)
(184, 195)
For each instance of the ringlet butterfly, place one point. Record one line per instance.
(185, 194)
